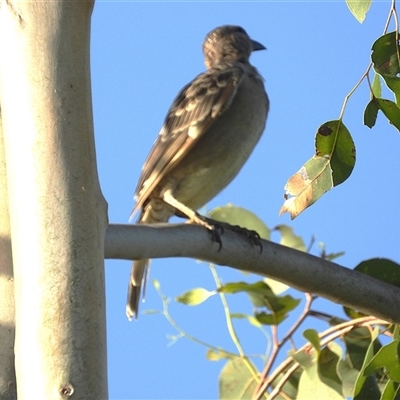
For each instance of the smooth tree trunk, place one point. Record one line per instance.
(57, 212)
(7, 311)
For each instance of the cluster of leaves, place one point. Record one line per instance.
(348, 359)
(335, 152)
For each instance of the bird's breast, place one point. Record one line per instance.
(222, 150)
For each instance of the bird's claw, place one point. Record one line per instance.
(217, 228)
(216, 231)
(253, 236)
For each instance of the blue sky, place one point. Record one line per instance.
(142, 55)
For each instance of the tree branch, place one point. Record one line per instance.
(300, 270)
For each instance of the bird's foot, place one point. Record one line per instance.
(251, 235)
(217, 228)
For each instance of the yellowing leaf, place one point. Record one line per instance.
(276, 286)
(307, 185)
(236, 380)
(310, 380)
(214, 355)
(359, 8)
(332, 165)
(194, 297)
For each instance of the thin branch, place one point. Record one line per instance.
(279, 344)
(296, 325)
(300, 270)
(392, 12)
(346, 99)
(326, 337)
(392, 9)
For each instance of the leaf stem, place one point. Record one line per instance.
(229, 323)
(182, 333)
(346, 99)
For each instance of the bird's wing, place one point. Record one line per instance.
(193, 111)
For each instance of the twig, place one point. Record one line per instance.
(326, 337)
(277, 345)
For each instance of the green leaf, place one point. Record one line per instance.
(332, 165)
(334, 256)
(334, 141)
(369, 390)
(261, 295)
(359, 8)
(385, 57)
(353, 314)
(310, 381)
(357, 342)
(290, 386)
(234, 215)
(289, 239)
(381, 268)
(376, 86)
(348, 376)
(271, 319)
(390, 110)
(366, 387)
(391, 391)
(371, 113)
(328, 256)
(236, 381)
(328, 366)
(396, 333)
(394, 85)
(387, 357)
(194, 297)
(306, 358)
(321, 366)
(312, 336)
(250, 318)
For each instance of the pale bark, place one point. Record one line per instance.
(57, 212)
(7, 321)
(297, 269)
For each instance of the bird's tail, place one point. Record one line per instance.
(155, 211)
(139, 274)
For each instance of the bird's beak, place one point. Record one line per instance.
(257, 46)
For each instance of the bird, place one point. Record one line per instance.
(209, 131)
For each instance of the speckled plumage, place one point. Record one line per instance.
(209, 132)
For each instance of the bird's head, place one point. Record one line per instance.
(228, 43)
